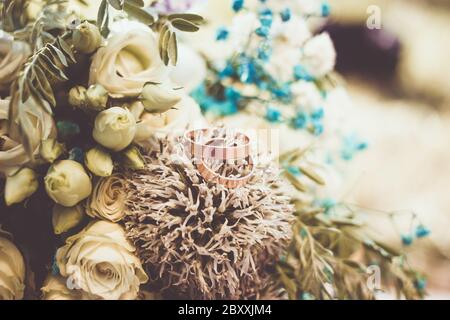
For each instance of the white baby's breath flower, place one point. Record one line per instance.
(319, 55)
(243, 25)
(306, 95)
(294, 32)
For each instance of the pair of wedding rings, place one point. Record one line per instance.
(201, 149)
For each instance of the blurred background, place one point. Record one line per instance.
(398, 78)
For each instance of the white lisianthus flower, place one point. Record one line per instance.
(306, 95)
(114, 128)
(319, 55)
(190, 70)
(101, 262)
(185, 115)
(127, 62)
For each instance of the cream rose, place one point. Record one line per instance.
(13, 55)
(12, 271)
(101, 262)
(55, 288)
(185, 115)
(107, 201)
(114, 128)
(127, 62)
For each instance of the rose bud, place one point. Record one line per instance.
(67, 183)
(97, 97)
(66, 218)
(114, 128)
(158, 98)
(99, 162)
(86, 38)
(77, 97)
(132, 158)
(20, 186)
(51, 150)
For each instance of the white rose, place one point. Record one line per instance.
(319, 55)
(114, 128)
(13, 155)
(13, 55)
(127, 62)
(12, 271)
(101, 262)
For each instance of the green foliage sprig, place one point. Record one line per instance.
(165, 25)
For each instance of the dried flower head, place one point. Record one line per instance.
(199, 239)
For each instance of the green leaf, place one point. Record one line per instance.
(173, 48)
(66, 49)
(184, 25)
(136, 3)
(194, 18)
(139, 14)
(116, 4)
(44, 86)
(295, 182)
(103, 19)
(47, 64)
(312, 175)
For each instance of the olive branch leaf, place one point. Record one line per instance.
(43, 70)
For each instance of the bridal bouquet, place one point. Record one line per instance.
(100, 198)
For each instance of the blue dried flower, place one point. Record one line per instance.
(317, 128)
(237, 5)
(300, 120)
(232, 94)
(286, 15)
(294, 170)
(422, 231)
(266, 18)
(76, 154)
(318, 114)
(263, 31)
(222, 34)
(420, 284)
(325, 9)
(300, 73)
(407, 239)
(273, 115)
